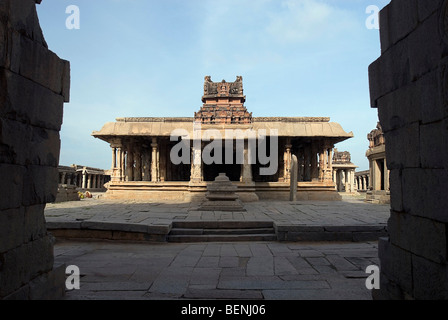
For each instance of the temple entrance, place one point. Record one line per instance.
(233, 171)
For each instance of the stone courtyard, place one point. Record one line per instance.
(234, 269)
(243, 270)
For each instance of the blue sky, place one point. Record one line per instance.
(145, 58)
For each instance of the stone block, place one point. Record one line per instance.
(11, 186)
(426, 8)
(15, 138)
(403, 147)
(11, 228)
(23, 263)
(396, 190)
(45, 147)
(433, 145)
(23, 144)
(389, 72)
(41, 186)
(23, 19)
(430, 96)
(425, 51)
(25, 101)
(3, 44)
(399, 108)
(397, 20)
(385, 40)
(442, 92)
(421, 184)
(395, 264)
(430, 279)
(34, 223)
(37, 63)
(422, 236)
(49, 286)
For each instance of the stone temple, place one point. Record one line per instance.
(254, 152)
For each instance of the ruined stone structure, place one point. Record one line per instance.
(379, 188)
(34, 84)
(344, 172)
(142, 167)
(82, 177)
(362, 180)
(409, 86)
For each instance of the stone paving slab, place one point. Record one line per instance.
(123, 270)
(347, 220)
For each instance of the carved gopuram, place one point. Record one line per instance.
(379, 189)
(222, 137)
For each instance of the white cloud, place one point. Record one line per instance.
(304, 20)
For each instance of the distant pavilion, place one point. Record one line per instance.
(142, 167)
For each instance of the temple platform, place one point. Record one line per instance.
(348, 220)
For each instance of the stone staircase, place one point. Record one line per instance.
(221, 231)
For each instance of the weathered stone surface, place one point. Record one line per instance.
(408, 155)
(34, 83)
(432, 137)
(427, 39)
(42, 185)
(34, 223)
(11, 228)
(426, 8)
(397, 20)
(396, 263)
(422, 236)
(421, 184)
(23, 263)
(35, 62)
(382, 80)
(12, 185)
(430, 279)
(18, 94)
(396, 190)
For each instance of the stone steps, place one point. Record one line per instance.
(222, 231)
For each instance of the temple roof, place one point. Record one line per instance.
(163, 127)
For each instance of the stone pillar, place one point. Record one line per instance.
(306, 161)
(119, 164)
(314, 162)
(84, 179)
(138, 165)
(146, 163)
(196, 163)
(293, 181)
(123, 165)
(63, 177)
(321, 165)
(154, 161)
(114, 157)
(335, 179)
(287, 160)
(130, 165)
(386, 177)
(246, 169)
(89, 181)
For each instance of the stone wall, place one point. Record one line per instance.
(34, 84)
(409, 86)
